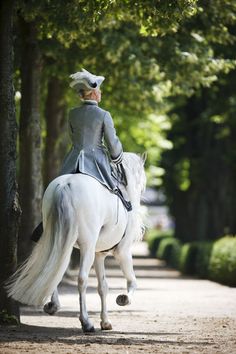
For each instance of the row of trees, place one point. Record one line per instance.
(41, 44)
(200, 169)
(168, 68)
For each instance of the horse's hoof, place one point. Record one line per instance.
(50, 308)
(88, 328)
(106, 326)
(122, 300)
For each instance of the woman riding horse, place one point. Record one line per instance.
(90, 127)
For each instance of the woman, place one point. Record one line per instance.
(90, 127)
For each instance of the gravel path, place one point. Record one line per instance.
(169, 314)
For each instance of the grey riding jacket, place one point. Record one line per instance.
(90, 129)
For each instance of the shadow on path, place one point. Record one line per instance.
(72, 336)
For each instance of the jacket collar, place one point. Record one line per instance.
(91, 102)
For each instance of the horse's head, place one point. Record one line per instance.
(135, 174)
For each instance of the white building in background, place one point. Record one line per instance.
(155, 210)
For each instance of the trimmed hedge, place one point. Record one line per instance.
(154, 238)
(187, 260)
(168, 250)
(175, 254)
(222, 265)
(210, 260)
(203, 258)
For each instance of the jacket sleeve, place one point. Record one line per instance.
(112, 141)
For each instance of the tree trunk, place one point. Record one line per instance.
(9, 206)
(55, 117)
(30, 177)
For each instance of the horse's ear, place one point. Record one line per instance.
(144, 157)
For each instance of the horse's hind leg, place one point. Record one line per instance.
(124, 258)
(102, 289)
(86, 262)
(54, 305)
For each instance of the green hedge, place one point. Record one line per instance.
(193, 258)
(211, 260)
(187, 260)
(204, 250)
(175, 254)
(154, 237)
(168, 250)
(222, 265)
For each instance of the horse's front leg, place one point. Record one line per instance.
(102, 289)
(54, 305)
(86, 262)
(124, 258)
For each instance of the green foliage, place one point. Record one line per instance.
(202, 115)
(187, 258)
(155, 18)
(168, 250)
(190, 258)
(183, 167)
(6, 319)
(204, 250)
(175, 253)
(222, 266)
(208, 260)
(154, 237)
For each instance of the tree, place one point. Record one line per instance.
(200, 173)
(9, 205)
(55, 119)
(199, 170)
(30, 177)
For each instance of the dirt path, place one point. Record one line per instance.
(169, 314)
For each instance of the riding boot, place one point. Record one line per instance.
(37, 233)
(127, 204)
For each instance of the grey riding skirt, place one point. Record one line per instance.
(91, 161)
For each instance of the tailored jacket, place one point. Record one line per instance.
(90, 128)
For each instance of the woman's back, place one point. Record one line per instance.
(87, 126)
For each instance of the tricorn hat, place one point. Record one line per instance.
(84, 80)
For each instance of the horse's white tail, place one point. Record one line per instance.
(40, 274)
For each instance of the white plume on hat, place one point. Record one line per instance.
(84, 80)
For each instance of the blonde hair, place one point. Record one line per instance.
(85, 94)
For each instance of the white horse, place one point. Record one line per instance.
(79, 212)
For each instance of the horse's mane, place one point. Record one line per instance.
(136, 182)
(134, 168)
